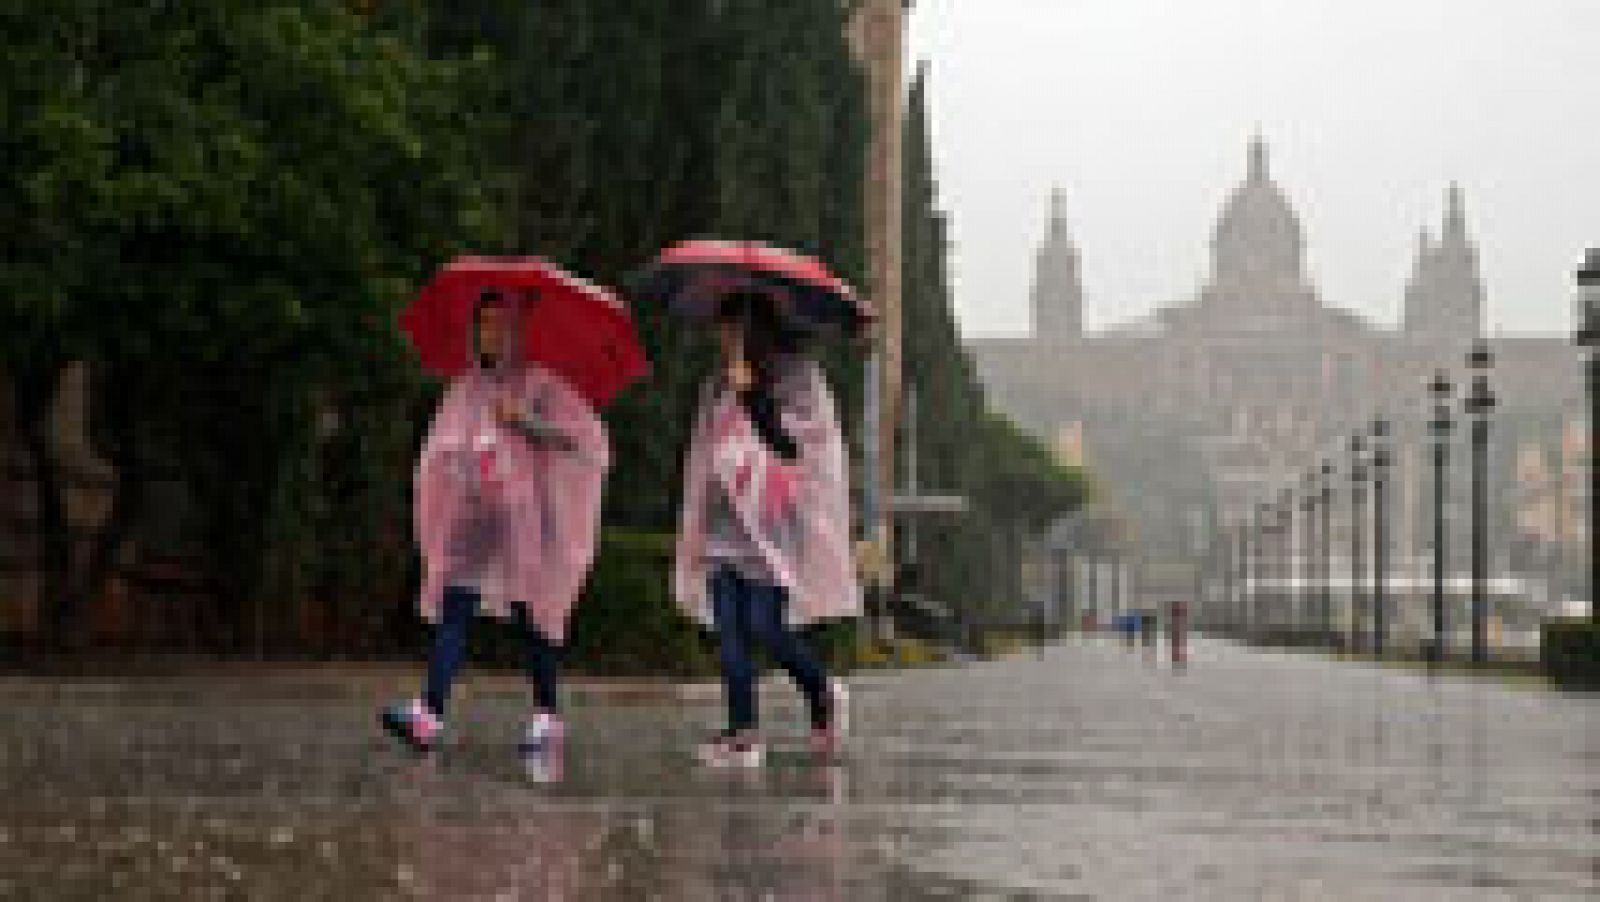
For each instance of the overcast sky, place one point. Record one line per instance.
(1141, 109)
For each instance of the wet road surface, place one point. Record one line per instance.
(1089, 773)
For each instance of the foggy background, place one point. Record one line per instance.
(1370, 107)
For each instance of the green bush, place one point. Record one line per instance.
(627, 622)
(836, 643)
(1569, 650)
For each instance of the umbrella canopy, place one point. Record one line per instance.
(693, 276)
(571, 326)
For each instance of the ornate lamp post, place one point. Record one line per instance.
(1116, 582)
(1358, 515)
(1091, 585)
(1479, 404)
(1588, 337)
(1258, 536)
(1309, 621)
(1380, 535)
(1326, 502)
(1240, 563)
(1440, 389)
(1286, 559)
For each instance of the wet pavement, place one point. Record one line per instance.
(1089, 773)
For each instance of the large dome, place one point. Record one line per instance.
(1259, 232)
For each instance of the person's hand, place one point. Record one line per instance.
(741, 376)
(505, 410)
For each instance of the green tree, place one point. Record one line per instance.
(644, 124)
(238, 245)
(1012, 480)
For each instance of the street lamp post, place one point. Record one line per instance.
(1440, 388)
(1308, 541)
(1258, 561)
(1266, 614)
(1091, 574)
(1116, 583)
(1222, 559)
(1286, 558)
(1241, 610)
(1479, 404)
(1358, 514)
(1241, 571)
(1588, 337)
(1380, 535)
(1326, 502)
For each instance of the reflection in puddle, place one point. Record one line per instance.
(1084, 773)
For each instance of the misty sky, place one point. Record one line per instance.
(1141, 109)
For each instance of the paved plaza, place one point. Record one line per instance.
(1090, 772)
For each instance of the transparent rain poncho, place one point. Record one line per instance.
(795, 514)
(512, 512)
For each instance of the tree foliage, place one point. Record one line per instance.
(219, 206)
(1013, 482)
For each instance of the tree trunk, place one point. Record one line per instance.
(34, 389)
(113, 414)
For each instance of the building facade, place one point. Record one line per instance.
(1219, 401)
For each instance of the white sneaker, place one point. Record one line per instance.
(542, 748)
(841, 707)
(730, 750)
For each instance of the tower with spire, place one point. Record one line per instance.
(1444, 296)
(1057, 285)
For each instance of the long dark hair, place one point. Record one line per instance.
(767, 338)
(768, 342)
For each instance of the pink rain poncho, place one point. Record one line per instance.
(543, 495)
(796, 514)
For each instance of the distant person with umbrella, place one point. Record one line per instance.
(764, 543)
(509, 480)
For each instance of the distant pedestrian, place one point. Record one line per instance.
(1147, 626)
(1178, 632)
(1128, 625)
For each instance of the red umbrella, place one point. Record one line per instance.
(574, 328)
(691, 277)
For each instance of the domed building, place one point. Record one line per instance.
(1217, 402)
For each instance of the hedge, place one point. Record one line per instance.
(627, 623)
(1569, 651)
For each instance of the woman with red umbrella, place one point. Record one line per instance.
(509, 480)
(764, 544)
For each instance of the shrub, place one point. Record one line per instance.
(837, 642)
(1569, 651)
(627, 622)
(913, 652)
(1000, 643)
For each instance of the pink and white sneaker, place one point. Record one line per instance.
(543, 747)
(731, 749)
(413, 724)
(840, 694)
(827, 743)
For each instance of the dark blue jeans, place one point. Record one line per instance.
(457, 611)
(746, 611)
